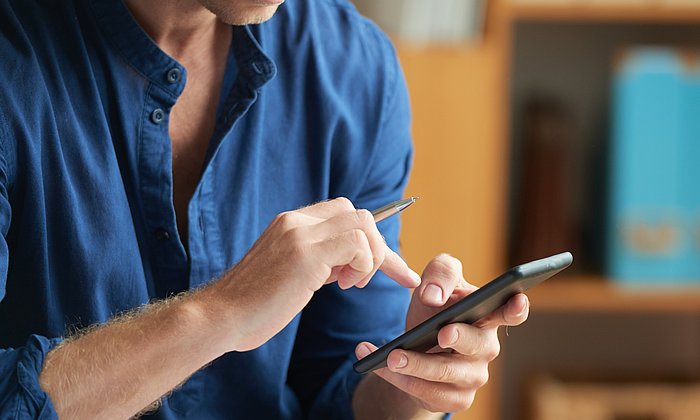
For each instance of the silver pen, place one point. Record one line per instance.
(392, 209)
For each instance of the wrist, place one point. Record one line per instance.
(376, 398)
(208, 311)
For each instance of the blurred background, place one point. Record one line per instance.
(549, 125)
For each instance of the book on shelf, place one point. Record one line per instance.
(655, 194)
(545, 203)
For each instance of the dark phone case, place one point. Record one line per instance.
(482, 302)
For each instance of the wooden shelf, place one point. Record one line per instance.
(596, 294)
(461, 100)
(599, 12)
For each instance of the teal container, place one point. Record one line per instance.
(654, 170)
(691, 155)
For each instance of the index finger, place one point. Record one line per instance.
(512, 313)
(396, 268)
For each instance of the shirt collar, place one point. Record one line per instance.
(253, 64)
(144, 55)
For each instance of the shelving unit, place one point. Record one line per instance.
(605, 12)
(593, 294)
(463, 123)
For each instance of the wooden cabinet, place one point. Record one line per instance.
(462, 104)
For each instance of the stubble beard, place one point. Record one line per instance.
(250, 15)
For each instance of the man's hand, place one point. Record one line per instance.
(447, 379)
(116, 370)
(297, 254)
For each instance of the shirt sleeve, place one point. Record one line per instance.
(21, 396)
(336, 321)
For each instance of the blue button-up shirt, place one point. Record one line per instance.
(86, 213)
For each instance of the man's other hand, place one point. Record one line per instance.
(447, 379)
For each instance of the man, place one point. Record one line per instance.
(152, 152)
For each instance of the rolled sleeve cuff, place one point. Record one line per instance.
(32, 400)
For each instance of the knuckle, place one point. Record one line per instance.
(438, 399)
(483, 378)
(493, 351)
(449, 262)
(286, 220)
(441, 400)
(446, 372)
(456, 403)
(364, 267)
(278, 219)
(379, 254)
(364, 217)
(478, 377)
(431, 408)
(414, 365)
(294, 240)
(357, 236)
(447, 266)
(292, 235)
(465, 402)
(413, 387)
(363, 283)
(377, 259)
(344, 203)
(434, 407)
(478, 349)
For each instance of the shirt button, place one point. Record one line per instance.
(157, 116)
(174, 75)
(162, 235)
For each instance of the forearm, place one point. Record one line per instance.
(120, 368)
(375, 398)
(117, 370)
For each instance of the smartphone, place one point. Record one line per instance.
(472, 308)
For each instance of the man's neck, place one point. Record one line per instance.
(181, 28)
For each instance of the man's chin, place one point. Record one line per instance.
(248, 15)
(257, 18)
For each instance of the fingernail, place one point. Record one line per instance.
(523, 309)
(454, 335)
(363, 351)
(403, 361)
(416, 277)
(433, 293)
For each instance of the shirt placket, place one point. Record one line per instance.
(156, 184)
(255, 69)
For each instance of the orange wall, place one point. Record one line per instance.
(458, 97)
